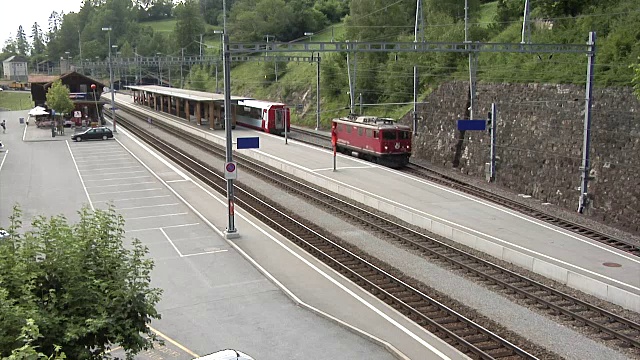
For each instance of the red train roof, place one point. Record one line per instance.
(372, 122)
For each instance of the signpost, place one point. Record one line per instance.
(248, 143)
(230, 172)
(334, 143)
(464, 125)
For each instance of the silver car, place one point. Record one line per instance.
(226, 355)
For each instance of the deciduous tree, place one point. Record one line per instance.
(84, 290)
(189, 26)
(58, 98)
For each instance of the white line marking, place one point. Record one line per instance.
(170, 242)
(204, 253)
(3, 159)
(153, 153)
(155, 216)
(104, 186)
(117, 173)
(102, 160)
(118, 192)
(124, 178)
(24, 133)
(136, 198)
(164, 227)
(79, 175)
(173, 181)
(119, 167)
(146, 206)
(341, 168)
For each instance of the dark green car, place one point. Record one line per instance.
(93, 134)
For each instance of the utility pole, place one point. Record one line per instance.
(472, 61)
(492, 152)
(181, 65)
(318, 93)
(351, 86)
(275, 66)
(586, 165)
(231, 231)
(113, 102)
(526, 25)
(418, 36)
(200, 46)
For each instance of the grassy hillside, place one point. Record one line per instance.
(617, 25)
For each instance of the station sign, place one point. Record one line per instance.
(464, 125)
(248, 142)
(230, 170)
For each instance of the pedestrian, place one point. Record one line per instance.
(4, 126)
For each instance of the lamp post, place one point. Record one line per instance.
(113, 102)
(159, 68)
(68, 66)
(275, 63)
(221, 44)
(95, 99)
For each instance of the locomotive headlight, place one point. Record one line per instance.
(386, 148)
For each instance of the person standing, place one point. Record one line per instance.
(4, 126)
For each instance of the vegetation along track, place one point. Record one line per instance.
(608, 325)
(462, 333)
(437, 177)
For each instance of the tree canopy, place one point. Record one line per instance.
(58, 98)
(74, 289)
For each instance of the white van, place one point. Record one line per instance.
(228, 354)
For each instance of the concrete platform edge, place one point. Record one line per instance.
(566, 276)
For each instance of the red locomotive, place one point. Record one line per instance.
(263, 115)
(375, 139)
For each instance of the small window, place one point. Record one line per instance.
(360, 131)
(375, 134)
(405, 135)
(369, 132)
(348, 129)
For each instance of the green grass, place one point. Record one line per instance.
(161, 25)
(18, 100)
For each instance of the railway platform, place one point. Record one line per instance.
(566, 257)
(257, 293)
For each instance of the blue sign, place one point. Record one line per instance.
(248, 143)
(472, 125)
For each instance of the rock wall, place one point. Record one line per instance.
(539, 143)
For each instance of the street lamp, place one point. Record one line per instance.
(113, 102)
(159, 68)
(221, 32)
(309, 34)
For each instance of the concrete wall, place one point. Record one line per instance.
(539, 143)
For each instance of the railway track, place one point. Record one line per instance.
(460, 332)
(437, 177)
(610, 326)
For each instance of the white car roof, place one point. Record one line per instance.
(227, 354)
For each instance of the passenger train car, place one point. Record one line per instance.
(379, 140)
(263, 115)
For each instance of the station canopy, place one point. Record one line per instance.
(185, 94)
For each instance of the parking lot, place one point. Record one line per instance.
(152, 213)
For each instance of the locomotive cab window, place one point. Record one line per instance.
(389, 135)
(368, 132)
(359, 131)
(405, 135)
(348, 129)
(375, 134)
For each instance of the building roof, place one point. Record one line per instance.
(185, 94)
(42, 79)
(16, 58)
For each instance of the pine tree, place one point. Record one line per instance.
(22, 45)
(36, 39)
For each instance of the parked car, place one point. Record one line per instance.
(1, 147)
(69, 122)
(93, 134)
(3, 234)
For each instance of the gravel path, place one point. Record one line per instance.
(541, 330)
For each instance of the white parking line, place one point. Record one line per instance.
(163, 227)
(101, 159)
(170, 242)
(118, 192)
(135, 198)
(156, 216)
(79, 175)
(104, 186)
(146, 206)
(173, 181)
(124, 178)
(3, 159)
(204, 253)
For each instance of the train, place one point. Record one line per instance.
(261, 115)
(376, 139)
